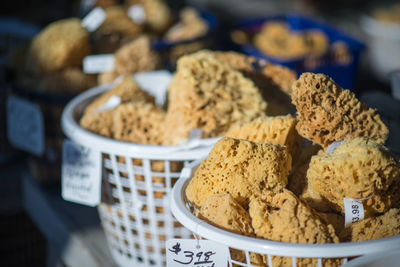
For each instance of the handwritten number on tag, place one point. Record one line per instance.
(355, 211)
(201, 257)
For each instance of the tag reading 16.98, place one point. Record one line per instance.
(200, 253)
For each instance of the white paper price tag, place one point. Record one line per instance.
(191, 252)
(155, 83)
(137, 14)
(94, 19)
(81, 174)
(113, 102)
(98, 63)
(353, 211)
(25, 128)
(332, 147)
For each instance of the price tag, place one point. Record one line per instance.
(155, 83)
(332, 147)
(200, 253)
(353, 211)
(137, 14)
(81, 174)
(25, 128)
(113, 102)
(98, 63)
(94, 19)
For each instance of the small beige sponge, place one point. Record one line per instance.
(101, 122)
(223, 211)
(61, 44)
(328, 113)
(139, 122)
(274, 130)
(360, 169)
(240, 168)
(382, 226)
(136, 56)
(208, 94)
(283, 217)
(127, 89)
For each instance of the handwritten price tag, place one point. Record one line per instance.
(98, 63)
(200, 253)
(81, 174)
(94, 19)
(353, 211)
(25, 128)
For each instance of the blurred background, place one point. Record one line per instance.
(38, 228)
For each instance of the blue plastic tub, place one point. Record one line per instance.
(343, 74)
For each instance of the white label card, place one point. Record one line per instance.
(94, 19)
(332, 147)
(353, 211)
(137, 14)
(192, 252)
(113, 102)
(98, 63)
(155, 83)
(25, 126)
(81, 174)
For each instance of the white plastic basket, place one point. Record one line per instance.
(182, 211)
(136, 183)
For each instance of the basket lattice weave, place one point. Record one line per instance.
(244, 249)
(136, 183)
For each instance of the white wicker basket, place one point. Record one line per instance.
(136, 183)
(182, 211)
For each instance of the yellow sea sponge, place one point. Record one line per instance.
(240, 168)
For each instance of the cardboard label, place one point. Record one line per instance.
(192, 252)
(81, 174)
(137, 14)
(94, 19)
(353, 211)
(98, 63)
(25, 126)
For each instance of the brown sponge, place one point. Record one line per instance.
(360, 169)
(139, 122)
(240, 168)
(223, 211)
(136, 56)
(61, 44)
(275, 130)
(283, 217)
(382, 226)
(328, 113)
(208, 94)
(127, 90)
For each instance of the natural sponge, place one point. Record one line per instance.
(208, 94)
(240, 168)
(223, 211)
(127, 90)
(61, 44)
(139, 122)
(274, 81)
(136, 56)
(283, 217)
(360, 169)
(382, 226)
(328, 113)
(275, 130)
